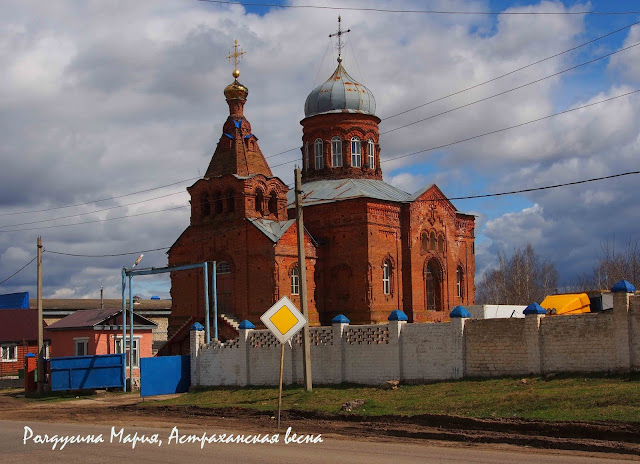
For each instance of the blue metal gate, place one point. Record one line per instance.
(80, 372)
(163, 375)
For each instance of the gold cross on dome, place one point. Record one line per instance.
(235, 56)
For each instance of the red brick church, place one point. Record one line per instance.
(370, 247)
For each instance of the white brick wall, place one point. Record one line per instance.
(371, 354)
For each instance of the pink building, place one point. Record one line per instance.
(99, 331)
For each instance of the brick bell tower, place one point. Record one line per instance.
(340, 137)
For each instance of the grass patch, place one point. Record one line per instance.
(593, 398)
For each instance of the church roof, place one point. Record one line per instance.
(274, 230)
(339, 93)
(329, 191)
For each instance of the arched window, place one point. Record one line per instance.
(356, 152)
(205, 205)
(336, 152)
(295, 281)
(371, 151)
(317, 149)
(424, 242)
(306, 156)
(432, 245)
(386, 277)
(218, 203)
(223, 267)
(459, 282)
(441, 244)
(273, 203)
(259, 200)
(433, 286)
(231, 201)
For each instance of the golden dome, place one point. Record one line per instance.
(236, 91)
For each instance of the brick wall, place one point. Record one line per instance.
(371, 354)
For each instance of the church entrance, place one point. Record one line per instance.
(433, 284)
(224, 285)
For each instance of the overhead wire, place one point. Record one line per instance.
(511, 90)
(438, 12)
(18, 271)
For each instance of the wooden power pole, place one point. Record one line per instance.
(40, 363)
(302, 271)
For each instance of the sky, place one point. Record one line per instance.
(111, 100)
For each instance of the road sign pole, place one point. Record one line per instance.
(280, 388)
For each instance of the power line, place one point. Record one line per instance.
(19, 270)
(96, 220)
(511, 72)
(104, 199)
(106, 256)
(440, 12)
(91, 212)
(492, 132)
(513, 89)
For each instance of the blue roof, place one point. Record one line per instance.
(340, 319)
(534, 308)
(460, 311)
(624, 287)
(14, 300)
(246, 324)
(397, 315)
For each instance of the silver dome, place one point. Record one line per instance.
(341, 92)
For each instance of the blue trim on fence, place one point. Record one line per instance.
(340, 319)
(246, 325)
(460, 311)
(534, 308)
(623, 287)
(397, 315)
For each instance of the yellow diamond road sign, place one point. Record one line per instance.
(283, 319)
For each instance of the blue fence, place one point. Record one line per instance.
(80, 372)
(165, 374)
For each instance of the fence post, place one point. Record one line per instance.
(339, 324)
(196, 340)
(621, 293)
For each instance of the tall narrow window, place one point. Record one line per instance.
(273, 203)
(204, 203)
(336, 152)
(136, 351)
(386, 278)
(259, 201)
(441, 244)
(295, 281)
(372, 155)
(306, 156)
(219, 204)
(433, 241)
(459, 282)
(231, 201)
(356, 152)
(317, 148)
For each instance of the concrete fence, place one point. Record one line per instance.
(370, 354)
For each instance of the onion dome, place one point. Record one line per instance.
(235, 90)
(340, 93)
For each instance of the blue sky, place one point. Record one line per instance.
(87, 114)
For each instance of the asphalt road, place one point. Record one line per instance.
(333, 449)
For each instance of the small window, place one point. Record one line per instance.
(273, 203)
(136, 351)
(459, 282)
(424, 242)
(372, 155)
(223, 267)
(336, 152)
(231, 201)
(9, 353)
(356, 152)
(205, 205)
(306, 156)
(432, 245)
(386, 278)
(295, 281)
(441, 244)
(317, 148)
(259, 200)
(81, 346)
(219, 204)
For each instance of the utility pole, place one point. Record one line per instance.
(40, 363)
(302, 271)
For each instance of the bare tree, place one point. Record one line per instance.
(519, 279)
(612, 267)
